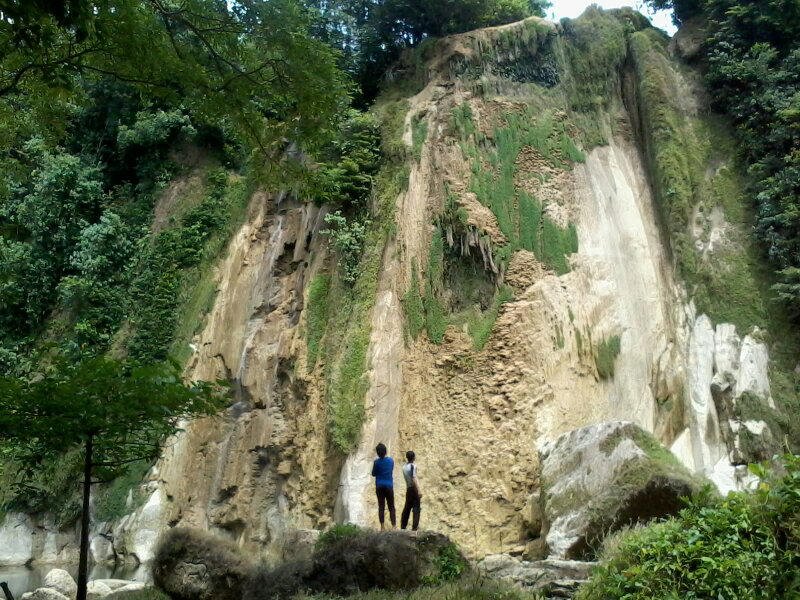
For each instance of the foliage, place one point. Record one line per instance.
(317, 320)
(166, 260)
(414, 307)
(519, 215)
(333, 535)
(112, 500)
(112, 413)
(605, 355)
(347, 339)
(465, 588)
(148, 593)
(743, 546)
(350, 164)
(754, 68)
(451, 563)
(347, 239)
(224, 62)
(419, 131)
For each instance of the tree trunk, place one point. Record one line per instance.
(6, 592)
(83, 566)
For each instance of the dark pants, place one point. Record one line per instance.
(385, 496)
(413, 502)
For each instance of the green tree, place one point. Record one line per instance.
(112, 413)
(250, 64)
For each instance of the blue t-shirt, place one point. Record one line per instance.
(382, 471)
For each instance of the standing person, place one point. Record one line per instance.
(384, 485)
(413, 495)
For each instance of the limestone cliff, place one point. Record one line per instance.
(527, 282)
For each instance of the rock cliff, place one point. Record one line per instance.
(532, 231)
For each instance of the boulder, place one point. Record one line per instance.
(556, 578)
(131, 587)
(97, 589)
(116, 584)
(190, 564)
(603, 477)
(62, 582)
(44, 594)
(194, 565)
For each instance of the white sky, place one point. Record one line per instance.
(573, 8)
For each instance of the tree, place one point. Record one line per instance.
(115, 414)
(250, 64)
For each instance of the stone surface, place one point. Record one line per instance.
(552, 578)
(97, 589)
(599, 478)
(131, 587)
(43, 594)
(62, 582)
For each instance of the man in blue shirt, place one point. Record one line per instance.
(384, 484)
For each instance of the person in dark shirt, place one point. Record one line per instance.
(384, 484)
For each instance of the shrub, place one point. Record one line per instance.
(743, 546)
(347, 237)
(337, 533)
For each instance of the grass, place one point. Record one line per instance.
(413, 305)
(605, 355)
(317, 320)
(419, 133)
(148, 593)
(468, 588)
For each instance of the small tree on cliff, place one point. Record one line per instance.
(115, 413)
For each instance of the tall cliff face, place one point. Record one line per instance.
(528, 273)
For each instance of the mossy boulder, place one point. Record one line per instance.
(603, 477)
(195, 565)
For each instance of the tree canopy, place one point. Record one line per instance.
(114, 414)
(250, 65)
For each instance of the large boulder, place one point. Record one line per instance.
(62, 582)
(603, 477)
(193, 565)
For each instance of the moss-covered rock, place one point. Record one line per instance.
(603, 477)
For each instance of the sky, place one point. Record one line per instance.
(573, 8)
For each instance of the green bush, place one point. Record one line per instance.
(744, 546)
(333, 535)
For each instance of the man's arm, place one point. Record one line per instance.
(416, 482)
(374, 466)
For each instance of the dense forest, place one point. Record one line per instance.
(99, 102)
